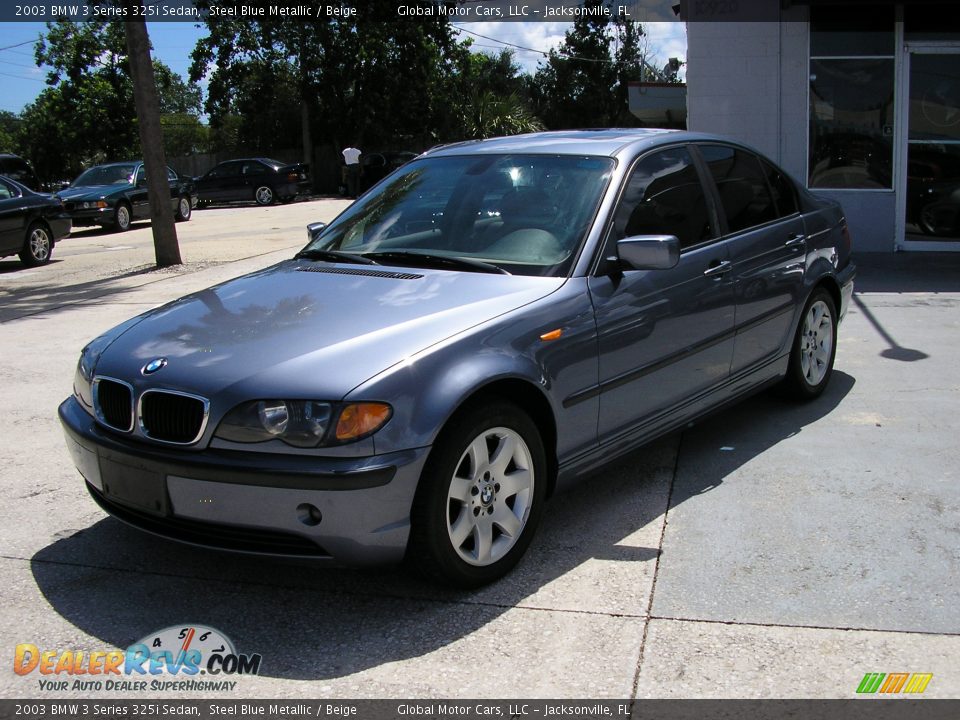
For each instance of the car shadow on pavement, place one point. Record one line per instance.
(595, 554)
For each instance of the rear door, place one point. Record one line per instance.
(12, 218)
(765, 234)
(664, 336)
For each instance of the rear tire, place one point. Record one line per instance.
(480, 498)
(264, 195)
(814, 348)
(38, 246)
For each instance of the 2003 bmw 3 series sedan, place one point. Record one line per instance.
(492, 321)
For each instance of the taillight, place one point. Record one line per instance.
(293, 177)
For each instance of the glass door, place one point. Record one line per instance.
(932, 218)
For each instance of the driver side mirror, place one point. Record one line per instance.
(648, 252)
(314, 230)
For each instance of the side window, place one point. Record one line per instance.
(784, 194)
(171, 175)
(664, 197)
(230, 169)
(141, 175)
(743, 190)
(7, 191)
(254, 168)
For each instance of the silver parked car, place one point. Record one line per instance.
(492, 321)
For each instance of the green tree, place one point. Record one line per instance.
(584, 83)
(9, 130)
(87, 113)
(356, 80)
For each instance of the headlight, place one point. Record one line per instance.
(83, 378)
(95, 204)
(302, 423)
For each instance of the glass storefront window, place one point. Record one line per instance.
(851, 123)
(861, 30)
(851, 97)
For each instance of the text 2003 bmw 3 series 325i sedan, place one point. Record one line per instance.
(492, 321)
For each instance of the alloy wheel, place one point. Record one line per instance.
(489, 496)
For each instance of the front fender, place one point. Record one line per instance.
(428, 388)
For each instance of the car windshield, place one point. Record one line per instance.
(106, 175)
(275, 164)
(525, 214)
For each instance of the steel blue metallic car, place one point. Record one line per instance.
(492, 321)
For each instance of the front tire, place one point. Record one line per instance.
(480, 497)
(184, 209)
(264, 195)
(814, 348)
(122, 218)
(38, 246)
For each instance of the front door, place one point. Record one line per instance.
(664, 336)
(932, 198)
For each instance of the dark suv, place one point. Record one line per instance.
(16, 168)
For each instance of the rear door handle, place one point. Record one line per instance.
(718, 269)
(795, 241)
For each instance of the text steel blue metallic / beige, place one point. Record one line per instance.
(492, 321)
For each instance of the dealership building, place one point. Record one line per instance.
(859, 100)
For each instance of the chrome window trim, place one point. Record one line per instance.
(203, 423)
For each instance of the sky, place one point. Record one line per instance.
(21, 80)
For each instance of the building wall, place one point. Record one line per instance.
(749, 81)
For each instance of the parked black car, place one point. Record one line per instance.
(262, 180)
(19, 170)
(115, 194)
(30, 223)
(376, 166)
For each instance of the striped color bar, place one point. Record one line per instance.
(893, 683)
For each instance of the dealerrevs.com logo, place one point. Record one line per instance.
(169, 660)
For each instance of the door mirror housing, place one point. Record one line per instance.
(314, 230)
(648, 252)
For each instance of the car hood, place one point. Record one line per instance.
(309, 329)
(94, 192)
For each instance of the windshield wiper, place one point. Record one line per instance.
(333, 256)
(409, 257)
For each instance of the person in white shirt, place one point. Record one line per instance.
(351, 157)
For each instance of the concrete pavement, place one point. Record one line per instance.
(774, 550)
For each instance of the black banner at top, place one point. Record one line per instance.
(332, 10)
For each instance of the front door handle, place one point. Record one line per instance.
(795, 241)
(717, 269)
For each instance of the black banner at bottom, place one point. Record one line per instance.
(853, 709)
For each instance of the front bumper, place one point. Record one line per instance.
(84, 217)
(349, 510)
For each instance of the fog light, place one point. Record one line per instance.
(309, 515)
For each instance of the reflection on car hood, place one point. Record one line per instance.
(288, 330)
(91, 191)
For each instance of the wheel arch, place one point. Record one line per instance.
(531, 400)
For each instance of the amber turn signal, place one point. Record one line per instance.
(552, 335)
(360, 419)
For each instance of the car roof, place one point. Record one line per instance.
(118, 162)
(610, 142)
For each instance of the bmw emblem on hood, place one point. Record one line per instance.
(154, 365)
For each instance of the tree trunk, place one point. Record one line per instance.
(166, 247)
